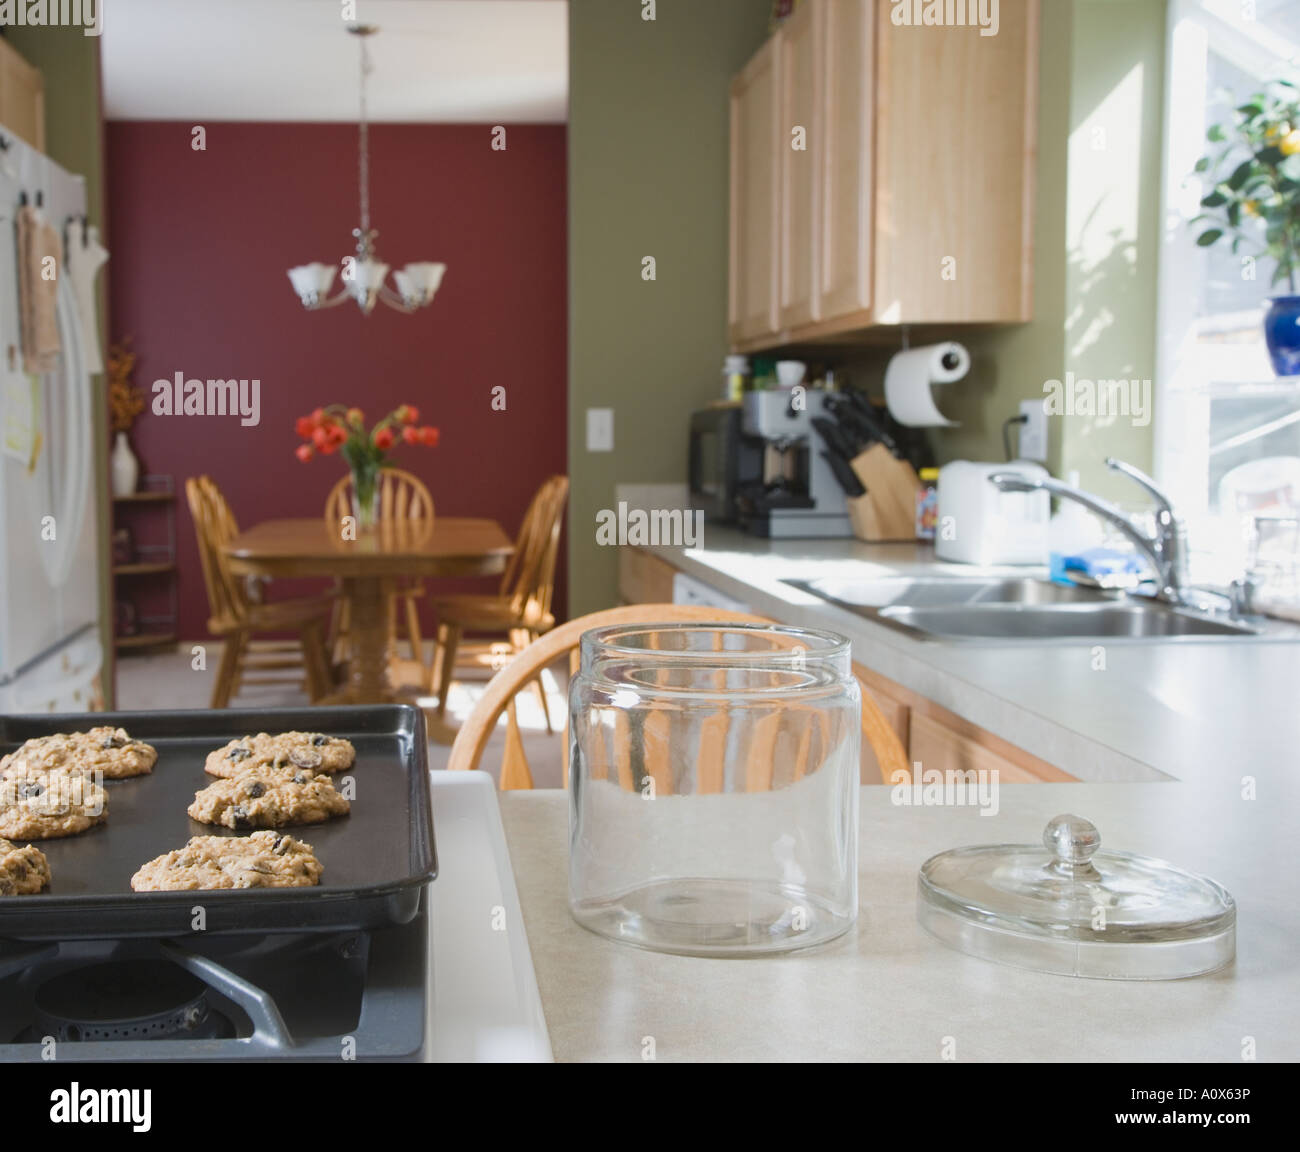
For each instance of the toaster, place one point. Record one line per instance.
(980, 524)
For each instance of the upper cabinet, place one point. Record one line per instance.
(754, 172)
(882, 174)
(22, 97)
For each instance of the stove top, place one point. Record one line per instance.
(308, 996)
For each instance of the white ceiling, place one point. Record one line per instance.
(443, 61)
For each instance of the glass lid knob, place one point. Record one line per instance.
(1072, 840)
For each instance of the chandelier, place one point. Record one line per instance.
(365, 276)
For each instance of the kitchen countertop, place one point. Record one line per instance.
(888, 991)
(1209, 710)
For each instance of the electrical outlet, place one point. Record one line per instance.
(1033, 432)
(600, 429)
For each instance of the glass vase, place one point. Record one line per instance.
(365, 496)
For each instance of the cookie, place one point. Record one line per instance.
(312, 750)
(23, 871)
(45, 804)
(110, 751)
(269, 796)
(262, 860)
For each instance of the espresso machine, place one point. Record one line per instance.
(792, 492)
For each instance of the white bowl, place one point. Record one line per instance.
(790, 373)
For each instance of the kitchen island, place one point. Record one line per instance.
(1209, 710)
(888, 991)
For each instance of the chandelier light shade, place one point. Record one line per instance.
(365, 276)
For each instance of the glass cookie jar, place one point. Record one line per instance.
(713, 787)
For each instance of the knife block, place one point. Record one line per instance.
(888, 510)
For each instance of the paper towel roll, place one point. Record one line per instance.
(908, 379)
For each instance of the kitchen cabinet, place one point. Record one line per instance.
(754, 174)
(904, 187)
(643, 578)
(22, 97)
(800, 118)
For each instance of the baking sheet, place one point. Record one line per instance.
(376, 860)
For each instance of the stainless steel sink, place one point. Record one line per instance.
(1016, 609)
(1061, 621)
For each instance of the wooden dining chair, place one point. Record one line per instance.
(521, 610)
(238, 620)
(877, 734)
(403, 499)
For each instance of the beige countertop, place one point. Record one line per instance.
(1209, 710)
(888, 991)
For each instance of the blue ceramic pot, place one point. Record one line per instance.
(1282, 334)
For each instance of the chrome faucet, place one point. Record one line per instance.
(1165, 550)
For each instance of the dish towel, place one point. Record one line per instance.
(84, 258)
(38, 293)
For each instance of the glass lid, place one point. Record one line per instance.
(1070, 909)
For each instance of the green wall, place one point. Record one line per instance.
(648, 176)
(69, 63)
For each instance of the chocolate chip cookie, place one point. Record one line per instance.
(262, 860)
(313, 750)
(110, 751)
(23, 871)
(269, 796)
(45, 804)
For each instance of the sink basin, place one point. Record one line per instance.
(1062, 621)
(1015, 608)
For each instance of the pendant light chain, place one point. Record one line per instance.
(363, 146)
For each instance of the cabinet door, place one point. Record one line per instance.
(754, 186)
(843, 263)
(22, 97)
(799, 144)
(955, 144)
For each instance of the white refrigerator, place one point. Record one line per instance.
(50, 565)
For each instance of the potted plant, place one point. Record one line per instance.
(1254, 199)
(125, 403)
(336, 428)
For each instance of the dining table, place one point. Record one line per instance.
(370, 564)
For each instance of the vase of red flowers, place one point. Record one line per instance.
(336, 428)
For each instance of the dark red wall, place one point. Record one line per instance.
(200, 246)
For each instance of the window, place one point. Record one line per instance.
(1227, 430)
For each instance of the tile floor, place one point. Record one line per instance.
(168, 680)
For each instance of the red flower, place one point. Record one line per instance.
(384, 439)
(320, 436)
(408, 413)
(304, 452)
(410, 435)
(429, 436)
(304, 427)
(317, 415)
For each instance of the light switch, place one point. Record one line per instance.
(600, 429)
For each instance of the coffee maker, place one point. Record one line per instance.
(791, 492)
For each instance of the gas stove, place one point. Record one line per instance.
(316, 996)
(455, 983)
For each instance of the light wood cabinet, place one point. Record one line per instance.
(643, 578)
(754, 175)
(913, 200)
(22, 97)
(799, 125)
